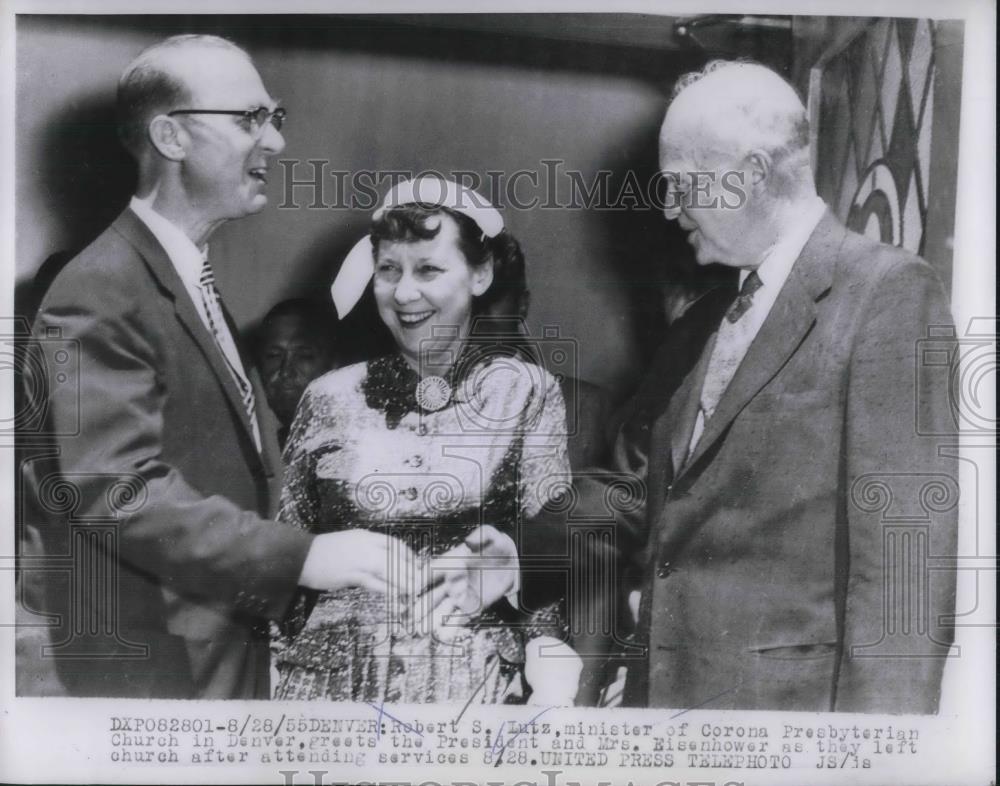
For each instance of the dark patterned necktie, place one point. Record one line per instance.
(224, 340)
(731, 344)
(744, 300)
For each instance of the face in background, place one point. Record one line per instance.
(225, 167)
(507, 313)
(426, 287)
(291, 354)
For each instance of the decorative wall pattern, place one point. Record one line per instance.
(873, 142)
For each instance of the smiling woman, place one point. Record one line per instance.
(445, 446)
(429, 267)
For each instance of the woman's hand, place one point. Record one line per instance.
(469, 578)
(358, 558)
(552, 669)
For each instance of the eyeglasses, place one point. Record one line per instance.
(254, 118)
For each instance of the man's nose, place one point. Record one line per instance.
(287, 367)
(271, 141)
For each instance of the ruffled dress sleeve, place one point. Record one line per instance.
(544, 477)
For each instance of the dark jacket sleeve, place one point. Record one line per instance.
(203, 547)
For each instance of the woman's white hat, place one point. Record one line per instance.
(356, 272)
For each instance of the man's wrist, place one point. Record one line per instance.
(312, 569)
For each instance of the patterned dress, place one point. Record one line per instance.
(363, 454)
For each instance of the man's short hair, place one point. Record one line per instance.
(147, 87)
(685, 80)
(783, 132)
(318, 317)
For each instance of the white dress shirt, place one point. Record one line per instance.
(188, 261)
(776, 263)
(773, 270)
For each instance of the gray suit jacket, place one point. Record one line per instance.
(784, 564)
(175, 563)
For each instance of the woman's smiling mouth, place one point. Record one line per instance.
(413, 319)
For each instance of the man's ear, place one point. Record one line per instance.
(761, 166)
(482, 277)
(167, 137)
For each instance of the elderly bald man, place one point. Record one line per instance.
(171, 444)
(776, 437)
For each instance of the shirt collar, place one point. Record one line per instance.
(186, 257)
(778, 260)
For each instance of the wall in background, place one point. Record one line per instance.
(365, 95)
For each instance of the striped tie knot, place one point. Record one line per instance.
(207, 278)
(744, 300)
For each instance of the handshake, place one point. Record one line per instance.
(463, 581)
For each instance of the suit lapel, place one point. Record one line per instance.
(683, 409)
(137, 233)
(268, 436)
(270, 455)
(789, 321)
(684, 358)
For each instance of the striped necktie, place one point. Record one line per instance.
(224, 340)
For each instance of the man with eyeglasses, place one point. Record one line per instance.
(173, 451)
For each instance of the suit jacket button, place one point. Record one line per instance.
(664, 570)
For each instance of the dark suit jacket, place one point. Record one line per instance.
(588, 409)
(165, 497)
(777, 561)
